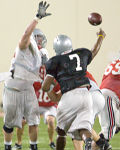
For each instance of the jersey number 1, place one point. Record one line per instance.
(78, 68)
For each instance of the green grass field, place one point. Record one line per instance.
(43, 138)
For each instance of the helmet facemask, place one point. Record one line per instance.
(39, 38)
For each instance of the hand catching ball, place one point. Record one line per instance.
(95, 19)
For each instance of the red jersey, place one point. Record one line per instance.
(42, 96)
(111, 77)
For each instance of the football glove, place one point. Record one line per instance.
(42, 10)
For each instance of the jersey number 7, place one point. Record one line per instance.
(78, 68)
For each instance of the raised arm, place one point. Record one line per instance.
(101, 35)
(25, 40)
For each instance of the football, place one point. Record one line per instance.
(95, 19)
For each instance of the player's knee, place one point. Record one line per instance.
(50, 122)
(7, 130)
(100, 142)
(61, 139)
(103, 143)
(60, 132)
(102, 135)
(24, 122)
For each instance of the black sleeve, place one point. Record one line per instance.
(51, 67)
(89, 57)
(88, 53)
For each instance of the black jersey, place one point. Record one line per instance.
(70, 69)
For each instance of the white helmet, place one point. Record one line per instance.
(37, 32)
(61, 44)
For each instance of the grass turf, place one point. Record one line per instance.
(43, 141)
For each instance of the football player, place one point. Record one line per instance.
(47, 108)
(69, 67)
(19, 97)
(98, 105)
(110, 87)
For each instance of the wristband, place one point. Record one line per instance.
(36, 19)
(101, 35)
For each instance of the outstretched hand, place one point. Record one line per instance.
(101, 35)
(42, 10)
(101, 32)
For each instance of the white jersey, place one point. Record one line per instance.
(26, 65)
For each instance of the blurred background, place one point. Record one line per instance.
(68, 17)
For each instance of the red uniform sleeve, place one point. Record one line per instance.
(89, 75)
